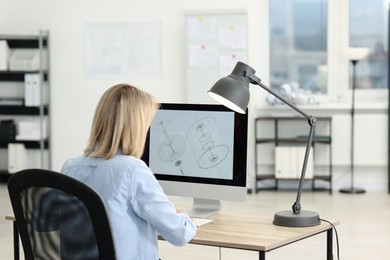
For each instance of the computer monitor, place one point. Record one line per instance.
(199, 151)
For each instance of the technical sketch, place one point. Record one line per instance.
(172, 147)
(202, 139)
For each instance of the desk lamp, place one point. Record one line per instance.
(233, 92)
(354, 54)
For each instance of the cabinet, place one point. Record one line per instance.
(287, 131)
(25, 59)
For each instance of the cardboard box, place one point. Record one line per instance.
(27, 60)
(31, 130)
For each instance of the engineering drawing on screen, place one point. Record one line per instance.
(210, 154)
(173, 146)
(192, 144)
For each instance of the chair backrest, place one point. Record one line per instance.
(59, 217)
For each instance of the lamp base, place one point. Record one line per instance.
(305, 218)
(352, 191)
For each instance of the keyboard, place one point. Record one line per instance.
(201, 221)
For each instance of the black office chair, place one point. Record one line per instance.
(58, 217)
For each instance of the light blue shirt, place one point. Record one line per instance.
(136, 205)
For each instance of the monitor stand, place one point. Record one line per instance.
(203, 208)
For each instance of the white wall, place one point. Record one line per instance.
(73, 96)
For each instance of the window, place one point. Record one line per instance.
(298, 40)
(368, 27)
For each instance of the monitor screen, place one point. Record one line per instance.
(199, 151)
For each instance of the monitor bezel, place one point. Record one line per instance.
(239, 147)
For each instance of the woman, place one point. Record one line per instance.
(136, 204)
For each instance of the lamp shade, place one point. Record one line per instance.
(233, 90)
(356, 53)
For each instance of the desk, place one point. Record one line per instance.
(246, 232)
(257, 233)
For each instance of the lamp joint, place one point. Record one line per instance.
(312, 120)
(296, 208)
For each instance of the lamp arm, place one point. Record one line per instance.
(297, 204)
(255, 80)
(312, 122)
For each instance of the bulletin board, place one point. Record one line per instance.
(214, 44)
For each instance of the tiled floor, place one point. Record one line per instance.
(364, 232)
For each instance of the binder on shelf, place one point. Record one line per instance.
(32, 90)
(4, 55)
(17, 157)
(288, 162)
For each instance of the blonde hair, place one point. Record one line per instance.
(121, 122)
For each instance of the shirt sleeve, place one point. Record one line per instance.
(151, 204)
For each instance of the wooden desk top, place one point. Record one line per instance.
(252, 232)
(249, 232)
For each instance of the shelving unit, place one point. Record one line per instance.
(17, 112)
(277, 140)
